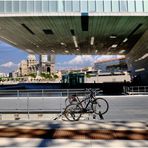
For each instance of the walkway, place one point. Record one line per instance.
(70, 134)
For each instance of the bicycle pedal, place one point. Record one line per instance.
(94, 116)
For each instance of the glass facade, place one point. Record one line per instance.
(22, 6)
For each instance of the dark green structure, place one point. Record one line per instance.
(73, 78)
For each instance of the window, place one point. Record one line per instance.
(45, 6)
(68, 6)
(131, 6)
(139, 6)
(123, 6)
(60, 6)
(23, 5)
(99, 6)
(8, 6)
(84, 6)
(145, 5)
(1, 6)
(53, 5)
(30, 6)
(38, 6)
(15, 6)
(107, 6)
(92, 6)
(115, 6)
(76, 5)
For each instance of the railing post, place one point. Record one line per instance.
(17, 100)
(18, 93)
(42, 93)
(67, 93)
(61, 103)
(28, 104)
(132, 89)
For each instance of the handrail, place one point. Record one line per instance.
(136, 90)
(41, 92)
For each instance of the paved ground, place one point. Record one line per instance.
(125, 125)
(121, 108)
(73, 134)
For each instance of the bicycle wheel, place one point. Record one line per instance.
(73, 112)
(100, 105)
(71, 100)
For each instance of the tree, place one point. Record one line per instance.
(33, 75)
(55, 76)
(87, 75)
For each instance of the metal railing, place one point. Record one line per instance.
(133, 90)
(45, 100)
(42, 93)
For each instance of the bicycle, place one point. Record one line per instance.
(74, 111)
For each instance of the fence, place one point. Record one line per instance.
(137, 90)
(36, 100)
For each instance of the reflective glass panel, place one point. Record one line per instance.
(131, 6)
(15, 6)
(30, 6)
(92, 6)
(123, 6)
(38, 6)
(60, 6)
(76, 5)
(53, 5)
(115, 6)
(107, 6)
(99, 6)
(139, 6)
(45, 6)
(145, 5)
(8, 6)
(1, 6)
(84, 6)
(68, 6)
(23, 6)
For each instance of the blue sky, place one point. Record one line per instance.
(10, 57)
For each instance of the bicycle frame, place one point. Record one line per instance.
(90, 101)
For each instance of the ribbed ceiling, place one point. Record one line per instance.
(55, 34)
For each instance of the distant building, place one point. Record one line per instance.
(47, 63)
(3, 75)
(112, 65)
(23, 69)
(26, 67)
(32, 64)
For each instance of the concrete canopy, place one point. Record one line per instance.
(73, 34)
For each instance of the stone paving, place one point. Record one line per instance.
(76, 134)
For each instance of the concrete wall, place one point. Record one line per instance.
(102, 79)
(32, 104)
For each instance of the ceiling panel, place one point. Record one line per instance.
(99, 27)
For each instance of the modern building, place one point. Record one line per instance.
(79, 27)
(111, 65)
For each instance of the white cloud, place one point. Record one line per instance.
(83, 61)
(80, 60)
(9, 65)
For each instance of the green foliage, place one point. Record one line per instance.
(46, 76)
(88, 76)
(33, 75)
(1, 78)
(56, 76)
(17, 79)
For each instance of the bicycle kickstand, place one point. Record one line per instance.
(58, 116)
(101, 117)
